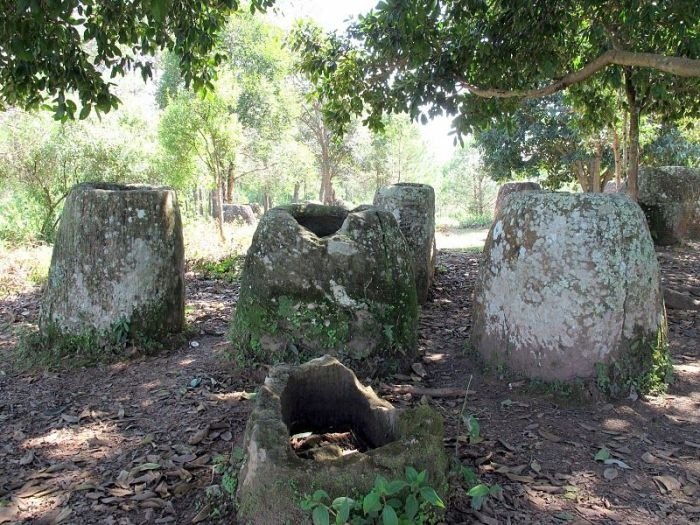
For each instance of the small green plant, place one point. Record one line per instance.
(226, 269)
(646, 368)
(473, 428)
(478, 492)
(406, 501)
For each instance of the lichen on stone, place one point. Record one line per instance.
(118, 260)
(321, 279)
(273, 479)
(567, 281)
(413, 207)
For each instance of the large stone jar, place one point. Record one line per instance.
(670, 198)
(118, 261)
(413, 207)
(569, 288)
(512, 187)
(322, 279)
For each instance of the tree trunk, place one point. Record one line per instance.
(297, 187)
(217, 210)
(633, 138)
(595, 168)
(230, 183)
(267, 201)
(581, 175)
(618, 158)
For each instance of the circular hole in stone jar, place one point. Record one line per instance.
(329, 417)
(323, 221)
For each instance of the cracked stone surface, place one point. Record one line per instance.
(322, 279)
(512, 187)
(413, 207)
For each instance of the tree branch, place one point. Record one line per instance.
(679, 66)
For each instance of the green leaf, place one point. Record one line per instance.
(320, 495)
(159, 9)
(469, 476)
(85, 111)
(370, 503)
(411, 506)
(380, 484)
(479, 490)
(395, 487)
(343, 506)
(321, 516)
(389, 516)
(411, 474)
(429, 495)
(477, 502)
(602, 454)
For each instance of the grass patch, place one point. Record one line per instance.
(227, 269)
(53, 350)
(23, 268)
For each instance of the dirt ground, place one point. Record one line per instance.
(148, 440)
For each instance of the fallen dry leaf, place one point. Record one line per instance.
(27, 458)
(611, 473)
(198, 436)
(548, 435)
(667, 483)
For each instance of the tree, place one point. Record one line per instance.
(465, 188)
(397, 153)
(546, 137)
(41, 160)
(476, 59)
(50, 50)
(199, 133)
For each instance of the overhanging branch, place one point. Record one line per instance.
(678, 66)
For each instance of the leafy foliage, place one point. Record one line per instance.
(42, 160)
(478, 491)
(400, 502)
(51, 49)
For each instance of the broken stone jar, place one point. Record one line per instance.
(323, 397)
(324, 280)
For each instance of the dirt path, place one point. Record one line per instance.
(148, 441)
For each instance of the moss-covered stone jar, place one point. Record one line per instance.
(324, 280)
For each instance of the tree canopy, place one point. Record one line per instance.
(52, 50)
(476, 60)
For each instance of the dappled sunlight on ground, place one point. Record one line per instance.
(452, 238)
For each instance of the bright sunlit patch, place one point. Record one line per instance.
(71, 442)
(616, 425)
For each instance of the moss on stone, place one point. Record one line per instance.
(646, 367)
(349, 293)
(273, 480)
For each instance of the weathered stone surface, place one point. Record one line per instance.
(413, 207)
(239, 212)
(258, 210)
(670, 198)
(118, 257)
(320, 279)
(318, 396)
(512, 187)
(568, 281)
